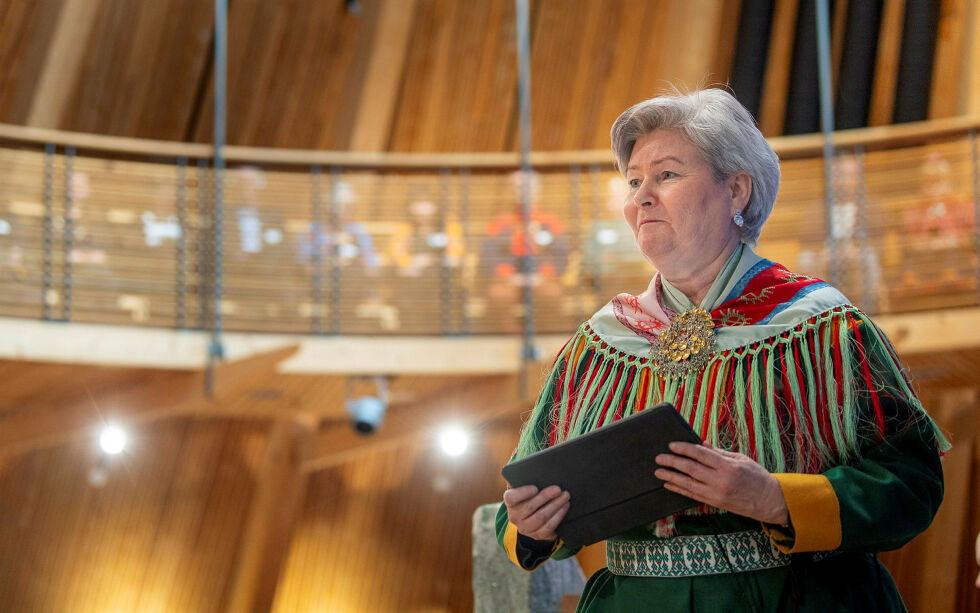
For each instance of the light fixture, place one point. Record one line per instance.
(454, 441)
(607, 236)
(112, 440)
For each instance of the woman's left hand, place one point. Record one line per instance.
(724, 479)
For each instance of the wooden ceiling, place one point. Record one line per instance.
(412, 75)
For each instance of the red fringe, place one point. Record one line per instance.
(876, 403)
(622, 401)
(605, 407)
(749, 410)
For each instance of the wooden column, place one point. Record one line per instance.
(65, 54)
(886, 66)
(971, 69)
(775, 86)
(276, 504)
(384, 71)
(948, 78)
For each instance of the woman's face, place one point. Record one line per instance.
(681, 217)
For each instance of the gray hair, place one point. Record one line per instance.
(724, 133)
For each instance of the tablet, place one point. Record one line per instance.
(609, 474)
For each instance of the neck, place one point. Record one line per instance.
(695, 281)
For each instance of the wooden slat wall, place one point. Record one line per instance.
(392, 532)
(460, 78)
(389, 531)
(159, 536)
(26, 31)
(142, 69)
(423, 76)
(950, 84)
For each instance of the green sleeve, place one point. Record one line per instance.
(892, 494)
(887, 496)
(522, 550)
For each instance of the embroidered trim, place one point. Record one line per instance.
(693, 556)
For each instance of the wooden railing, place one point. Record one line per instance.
(117, 230)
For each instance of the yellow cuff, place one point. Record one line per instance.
(814, 514)
(510, 543)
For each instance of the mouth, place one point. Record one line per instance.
(646, 221)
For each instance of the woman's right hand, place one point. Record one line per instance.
(536, 514)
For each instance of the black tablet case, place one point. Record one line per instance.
(609, 474)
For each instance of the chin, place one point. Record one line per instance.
(652, 253)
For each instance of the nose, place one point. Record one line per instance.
(643, 196)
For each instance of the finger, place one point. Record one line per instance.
(556, 519)
(684, 465)
(683, 492)
(708, 456)
(529, 507)
(539, 520)
(728, 454)
(692, 489)
(518, 495)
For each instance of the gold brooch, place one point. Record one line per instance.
(686, 344)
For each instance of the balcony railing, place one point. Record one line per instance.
(120, 231)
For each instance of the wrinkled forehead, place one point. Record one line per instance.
(662, 144)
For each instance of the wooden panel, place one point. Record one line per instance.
(380, 91)
(64, 56)
(392, 532)
(295, 73)
(727, 37)
(26, 31)
(142, 69)
(948, 79)
(775, 86)
(158, 536)
(454, 43)
(971, 63)
(886, 64)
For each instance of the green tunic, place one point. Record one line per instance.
(885, 500)
(826, 392)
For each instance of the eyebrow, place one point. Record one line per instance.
(657, 161)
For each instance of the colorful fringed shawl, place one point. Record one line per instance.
(797, 378)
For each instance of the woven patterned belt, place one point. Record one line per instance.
(691, 556)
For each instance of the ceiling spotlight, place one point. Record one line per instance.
(353, 6)
(112, 440)
(454, 441)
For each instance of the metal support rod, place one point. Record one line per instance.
(596, 266)
(47, 235)
(975, 164)
(524, 103)
(331, 238)
(316, 253)
(827, 126)
(464, 224)
(445, 281)
(575, 224)
(68, 234)
(203, 243)
(215, 349)
(869, 266)
(180, 314)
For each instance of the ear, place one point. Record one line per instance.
(739, 189)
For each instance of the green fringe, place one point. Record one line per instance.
(588, 375)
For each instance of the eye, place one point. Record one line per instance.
(668, 174)
(635, 183)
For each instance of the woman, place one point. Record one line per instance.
(817, 451)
